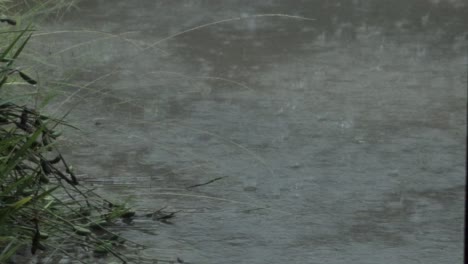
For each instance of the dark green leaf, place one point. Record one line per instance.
(11, 46)
(27, 78)
(9, 21)
(20, 49)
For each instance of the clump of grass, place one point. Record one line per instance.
(29, 10)
(43, 208)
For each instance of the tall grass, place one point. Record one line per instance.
(43, 208)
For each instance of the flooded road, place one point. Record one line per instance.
(334, 130)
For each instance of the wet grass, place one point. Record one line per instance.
(44, 211)
(28, 10)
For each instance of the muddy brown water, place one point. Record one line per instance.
(337, 140)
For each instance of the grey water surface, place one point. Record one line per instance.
(335, 129)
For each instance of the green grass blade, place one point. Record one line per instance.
(20, 49)
(44, 194)
(17, 185)
(18, 157)
(17, 205)
(12, 45)
(9, 250)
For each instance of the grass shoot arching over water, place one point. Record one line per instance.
(44, 211)
(44, 206)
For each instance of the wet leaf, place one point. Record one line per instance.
(82, 231)
(55, 160)
(98, 224)
(28, 191)
(44, 235)
(46, 167)
(45, 140)
(26, 78)
(85, 211)
(24, 127)
(36, 242)
(128, 214)
(55, 134)
(9, 21)
(24, 118)
(103, 248)
(3, 81)
(100, 250)
(43, 179)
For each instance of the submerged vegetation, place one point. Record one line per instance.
(44, 211)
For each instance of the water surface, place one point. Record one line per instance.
(338, 140)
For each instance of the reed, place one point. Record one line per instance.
(44, 211)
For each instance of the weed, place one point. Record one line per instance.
(42, 205)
